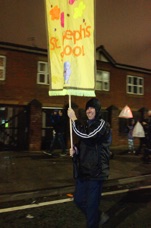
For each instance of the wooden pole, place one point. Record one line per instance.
(71, 136)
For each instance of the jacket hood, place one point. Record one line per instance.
(94, 103)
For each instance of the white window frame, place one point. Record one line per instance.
(44, 73)
(102, 78)
(3, 68)
(135, 85)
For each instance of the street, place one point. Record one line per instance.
(130, 209)
(34, 185)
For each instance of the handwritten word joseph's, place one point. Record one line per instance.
(75, 36)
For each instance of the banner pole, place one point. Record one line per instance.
(71, 137)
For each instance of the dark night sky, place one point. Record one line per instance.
(122, 26)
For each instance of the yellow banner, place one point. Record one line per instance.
(70, 27)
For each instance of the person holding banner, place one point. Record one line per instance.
(91, 158)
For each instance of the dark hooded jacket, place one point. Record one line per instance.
(92, 158)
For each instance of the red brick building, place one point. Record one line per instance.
(25, 106)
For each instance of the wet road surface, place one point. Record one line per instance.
(126, 210)
(33, 178)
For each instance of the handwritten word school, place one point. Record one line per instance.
(71, 35)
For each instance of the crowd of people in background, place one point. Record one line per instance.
(58, 123)
(58, 137)
(145, 142)
(59, 127)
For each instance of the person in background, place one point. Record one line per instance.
(144, 142)
(130, 127)
(59, 127)
(147, 127)
(91, 157)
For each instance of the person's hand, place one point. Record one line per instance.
(73, 150)
(71, 114)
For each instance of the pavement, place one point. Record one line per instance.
(26, 175)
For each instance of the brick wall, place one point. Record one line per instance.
(35, 125)
(21, 88)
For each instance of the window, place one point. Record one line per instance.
(102, 80)
(2, 67)
(43, 75)
(135, 85)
